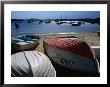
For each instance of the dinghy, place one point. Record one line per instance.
(76, 23)
(31, 64)
(25, 42)
(72, 53)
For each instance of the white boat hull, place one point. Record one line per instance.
(70, 60)
(31, 64)
(96, 50)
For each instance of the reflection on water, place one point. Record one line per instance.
(49, 28)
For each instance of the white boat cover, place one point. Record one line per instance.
(31, 64)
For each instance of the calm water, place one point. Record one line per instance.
(50, 28)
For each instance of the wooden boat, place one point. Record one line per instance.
(71, 53)
(24, 42)
(31, 64)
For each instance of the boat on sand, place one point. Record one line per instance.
(72, 53)
(31, 64)
(24, 42)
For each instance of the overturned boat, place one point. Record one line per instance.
(31, 64)
(72, 53)
(24, 42)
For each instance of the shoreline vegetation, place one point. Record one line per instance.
(93, 39)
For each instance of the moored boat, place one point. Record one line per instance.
(40, 21)
(59, 22)
(76, 23)
(16, 25)
(48, 21)
(72, 53)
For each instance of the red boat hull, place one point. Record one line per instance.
(71, 60)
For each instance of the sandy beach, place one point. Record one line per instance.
(91, 38)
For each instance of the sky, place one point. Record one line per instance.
(54, 14)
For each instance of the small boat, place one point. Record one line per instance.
(29, 21)
(40, 21)
(47, 21)
(59, 22)
(16, 25)
(71, 53)
(64, 21)
(31, 64)
(25, 42)
(76, 23)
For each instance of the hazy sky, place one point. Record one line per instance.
(54, 14)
